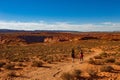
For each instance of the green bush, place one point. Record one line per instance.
(106, 68)
(37, 64)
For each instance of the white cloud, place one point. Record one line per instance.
(105, 26)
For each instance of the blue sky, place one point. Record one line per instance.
(81, 15)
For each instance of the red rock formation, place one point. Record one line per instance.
(18, 38)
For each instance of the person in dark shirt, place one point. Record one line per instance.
(73, 55)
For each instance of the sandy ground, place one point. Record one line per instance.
(53, 71)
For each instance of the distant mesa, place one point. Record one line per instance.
(27, 37)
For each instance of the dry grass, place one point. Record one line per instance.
(12, 74)
(93, 73)
(104, 54)
(91, 61)
(37, 64)
(106, 68)
(67, 76)
(117, 63)
(75, 75)
(95, 62)
(9, 66)
(2, 64)
(52, 52)
(98, 57)
(110, 60)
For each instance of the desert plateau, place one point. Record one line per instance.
(47, 56)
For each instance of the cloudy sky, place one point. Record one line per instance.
(77, 15)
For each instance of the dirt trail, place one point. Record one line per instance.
(69, 67)
(54, 71)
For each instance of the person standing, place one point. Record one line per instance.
(73, 55)
(81, 55)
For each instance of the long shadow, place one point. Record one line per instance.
(22, 76)
(116, 71)
(90, 38)
(32, 39)
(17, 68)
(92, 78)
(46, 66)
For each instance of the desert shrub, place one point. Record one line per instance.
(95, 62)
(76, 74)
(106, 68)
(37, 64)
(117, 55)
(103, 54)
(98, 62)
(67, 76)
(20, 59)
(12, 74)
(60, 57)
(57, 58)
(48, 59)
(9, 66)
(92, 73)
(0, 70)
(91, 61)
(21, 65)
(110, 60)
(2, 64)
(98, 57)
(117, 63)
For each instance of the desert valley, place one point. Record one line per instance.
(47, 56)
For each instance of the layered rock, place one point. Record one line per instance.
(43, 37)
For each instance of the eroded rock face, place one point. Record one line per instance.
(89, 38)
(10, 40)
(51, 40)
(43, 37)
(55, 39)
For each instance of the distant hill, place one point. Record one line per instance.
(46, 36)
(10, 30)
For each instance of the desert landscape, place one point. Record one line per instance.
(59, 39)
(47, 56)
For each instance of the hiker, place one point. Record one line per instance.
(81, 55)
(73, 55)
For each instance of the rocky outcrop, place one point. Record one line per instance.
(43, 37)
(89, 38)
(32, 39)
